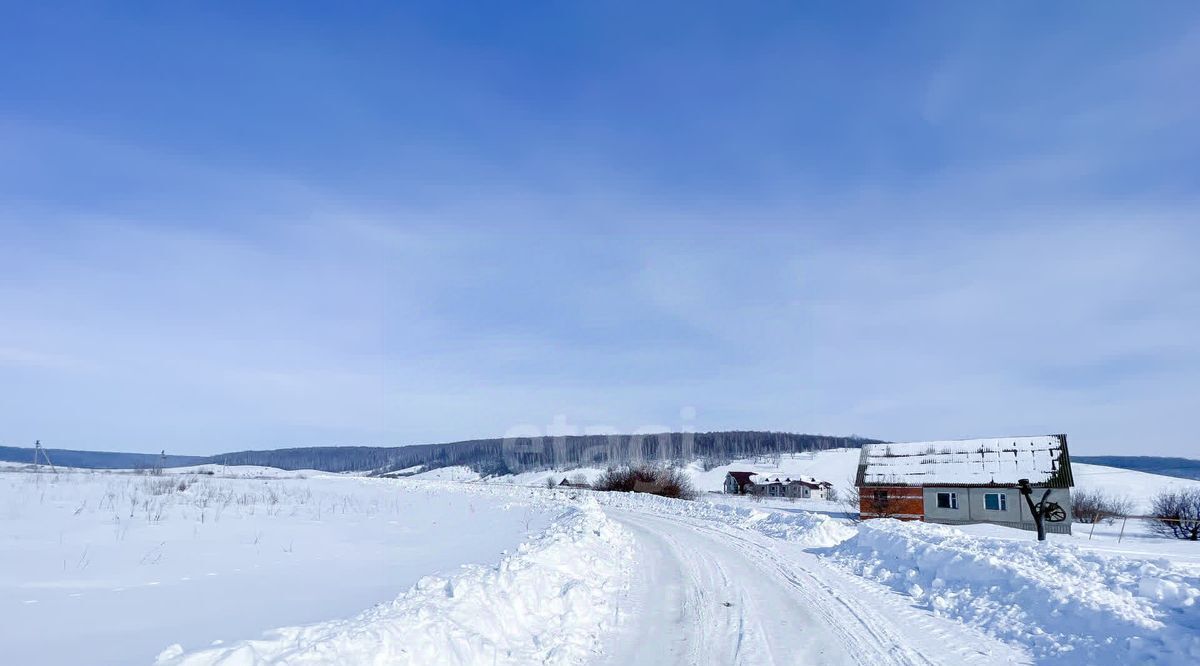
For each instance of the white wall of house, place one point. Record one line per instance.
(1060, 496)
(792, 490)
(954, 506)
(997, 505)
(1004, 506)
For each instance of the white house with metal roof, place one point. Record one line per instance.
(968, 481)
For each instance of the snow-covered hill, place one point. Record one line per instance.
(1138, 487)
(836, 466)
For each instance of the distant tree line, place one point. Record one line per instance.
(323, 458)
(100, 459)
(522, 454)
(486, 456)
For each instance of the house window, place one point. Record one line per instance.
(881, 496)
(947, 500)
(995, 502)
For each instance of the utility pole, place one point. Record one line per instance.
(37, 449)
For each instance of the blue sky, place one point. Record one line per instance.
(226, 226)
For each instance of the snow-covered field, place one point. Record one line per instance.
(586, 474)
(259, 566)
(109, 568)
(547, 603)
(1138, 487)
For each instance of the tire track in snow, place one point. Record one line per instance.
(691, 605)
(787, 606)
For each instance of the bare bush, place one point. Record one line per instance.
(1093, 506)
(1177, 514)
(850, 500)
(663, 481)
(159, 485)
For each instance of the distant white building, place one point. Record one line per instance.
(804, 487)
(769, 485)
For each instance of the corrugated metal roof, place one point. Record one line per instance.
(995, 461)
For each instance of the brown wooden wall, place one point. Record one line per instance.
(903, 502)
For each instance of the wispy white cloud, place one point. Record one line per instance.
(966, 239)
(36, 359)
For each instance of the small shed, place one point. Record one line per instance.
(739, 483)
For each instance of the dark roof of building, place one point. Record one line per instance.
(742, 478)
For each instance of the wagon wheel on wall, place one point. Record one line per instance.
(1052, 512)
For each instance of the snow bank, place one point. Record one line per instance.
(1064, 603)
(808, 529)
(547, 603)
(538, 478)
(452, 473)
(246, 471)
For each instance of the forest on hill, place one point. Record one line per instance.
(486, 456)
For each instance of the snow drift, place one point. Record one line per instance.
(802, 527)
(547, 603)
(1066, 604)
(808, 529)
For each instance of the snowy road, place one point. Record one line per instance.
(708, 593)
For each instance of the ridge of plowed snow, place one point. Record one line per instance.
(1065, 603)
(547, 603)
(808, 529)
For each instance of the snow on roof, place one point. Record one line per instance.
(809, 481)
(1001, 460)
